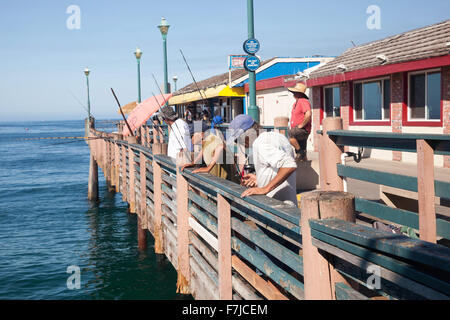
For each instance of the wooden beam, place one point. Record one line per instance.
(183, 215)
(157, 200)
(315, 267)
(132, 172)
(425, 187)
(319, 274)
(266, 288)
(143, 182)
(124, 173)
(332, 154)
(204, 234)
(224, 239)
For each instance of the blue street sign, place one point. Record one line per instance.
(252, 63)
(251, 46)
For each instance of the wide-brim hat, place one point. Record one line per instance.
(299, 87)
(169, 113)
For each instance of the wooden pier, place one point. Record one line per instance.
(226, 247)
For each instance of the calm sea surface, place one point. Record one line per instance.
(47, 224)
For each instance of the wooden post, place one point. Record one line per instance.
(132, 173)
(109, 160)
(93, 170)
(281, 122)
(143, 179)
(426, 192)
(142, 234)
(93, 179)
(124, 173)
(112, 169)
(322, 157)
(184, 272)
(161, 134)
(331, 155)
(98, 152)
(157, 201)
(224, 246)
(155, 136)
(117, 162)
(319, 275)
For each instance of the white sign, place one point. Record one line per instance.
(236, 61)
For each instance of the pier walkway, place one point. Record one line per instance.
(226, 247)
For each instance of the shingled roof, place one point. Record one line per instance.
(427, 42)
(215, 80)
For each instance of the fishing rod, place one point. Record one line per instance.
(157, 85)
(178, 140)
(120, 108)
(201, 95)
(174, 122)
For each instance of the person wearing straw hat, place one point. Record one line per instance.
(213, 152)
(300, 121)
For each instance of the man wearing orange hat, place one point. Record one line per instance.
(300, 121)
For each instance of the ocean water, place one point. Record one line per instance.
(47, 224)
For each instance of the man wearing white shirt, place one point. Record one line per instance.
(179, 137)
(273, 158)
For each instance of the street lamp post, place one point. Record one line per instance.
(253, 110)
(175, 79)
(164, 28)
(138, 54)
(87, 72)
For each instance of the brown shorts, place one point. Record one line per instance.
(301, 135)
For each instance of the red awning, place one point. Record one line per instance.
(144, 111)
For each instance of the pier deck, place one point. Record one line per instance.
(226, 247)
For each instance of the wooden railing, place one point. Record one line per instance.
(227, 247)
(424, 183)
(407, 268)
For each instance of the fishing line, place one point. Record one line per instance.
(81, 104)
(181, 145)
(201, 95)
(51, 138)
(55, 144)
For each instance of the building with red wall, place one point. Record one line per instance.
(398, 84)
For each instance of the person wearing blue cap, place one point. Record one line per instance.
(273, 158)
(213, 153)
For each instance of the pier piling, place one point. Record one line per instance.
(320, 276)
(330, 156)
(93, 166)
(93, 179)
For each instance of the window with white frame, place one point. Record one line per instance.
(424, 98)
(372, 100)
(332, 102)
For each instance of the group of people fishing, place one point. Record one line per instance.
(269, 169)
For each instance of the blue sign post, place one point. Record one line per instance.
(251, 46)
(252, 63)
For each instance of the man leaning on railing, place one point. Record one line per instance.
(273, 158)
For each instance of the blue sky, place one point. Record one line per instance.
(42, 61)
